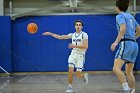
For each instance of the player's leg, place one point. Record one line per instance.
(80, 66)
(118, 63)
(123, 54)
(71, 65)
(79, 74)
(130, 66)
(84, 76)
(130, 76)
(70, 75)
(133, 49)
(70, 79)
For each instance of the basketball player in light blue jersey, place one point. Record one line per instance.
(128, 32)
(76, 59)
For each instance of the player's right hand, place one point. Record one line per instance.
(47, 33)
(113, 46)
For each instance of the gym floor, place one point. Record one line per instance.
(98, 83)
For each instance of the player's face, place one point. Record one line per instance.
(78, 26)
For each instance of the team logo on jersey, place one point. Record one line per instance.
(77, 40)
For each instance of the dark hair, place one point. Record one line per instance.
(122, 5)
(78, 21)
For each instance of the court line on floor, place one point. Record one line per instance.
(23, 79)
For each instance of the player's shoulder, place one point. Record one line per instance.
(84, 32)
(120, 15)
(130, 15)
(124, 14)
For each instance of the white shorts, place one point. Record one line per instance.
(77, 61)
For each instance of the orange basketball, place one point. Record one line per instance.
(32, 28)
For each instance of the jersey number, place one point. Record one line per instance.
(131, 23)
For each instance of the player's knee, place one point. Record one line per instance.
(70, 70)
(78, 74)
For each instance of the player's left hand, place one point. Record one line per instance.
(72, 46)
(113, 46)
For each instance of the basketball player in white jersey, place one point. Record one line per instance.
(76, 59)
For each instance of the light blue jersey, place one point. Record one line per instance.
(128, 48)
(129, 21)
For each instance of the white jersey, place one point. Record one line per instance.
(77, 39)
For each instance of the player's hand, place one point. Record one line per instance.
(47, 33)
(113, 46)
(71, 46)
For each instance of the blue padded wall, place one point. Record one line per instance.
(5, 43)
(34, 52)
(137, 65)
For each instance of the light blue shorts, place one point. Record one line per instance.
(128, 51)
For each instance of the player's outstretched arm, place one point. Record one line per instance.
(56, 35)
(137, 32)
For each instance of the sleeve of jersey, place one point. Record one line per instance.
(85, 36)
(70, 35)
(120, 19)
